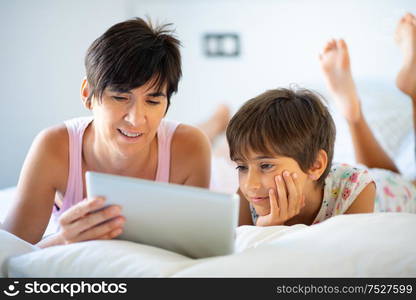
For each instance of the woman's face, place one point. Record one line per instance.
(127, 122)
(257, 174)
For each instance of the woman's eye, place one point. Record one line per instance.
(266, 166)
(120, 99)
(152, 102)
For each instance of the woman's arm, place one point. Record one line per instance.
(45, 169)
(39, 177)
(364, 203)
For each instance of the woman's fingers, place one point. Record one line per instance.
(92, 219)
(108, 236)
(104, 230)
(89, 220)
(81, 209)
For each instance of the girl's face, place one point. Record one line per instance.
(127, 122)
(257, 174)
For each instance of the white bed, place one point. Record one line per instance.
(365, 245)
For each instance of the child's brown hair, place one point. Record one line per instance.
(288, 122)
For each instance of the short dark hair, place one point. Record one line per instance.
(288, 122)
(131, 53)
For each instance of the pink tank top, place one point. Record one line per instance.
(76, 128)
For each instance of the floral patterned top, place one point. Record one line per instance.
(342, 186)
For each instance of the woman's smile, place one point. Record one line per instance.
(130, 136)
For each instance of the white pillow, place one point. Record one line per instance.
(361, 245)
(365, 245)
(11, 245)
(113, 258)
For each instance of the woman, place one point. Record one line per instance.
(132, 71)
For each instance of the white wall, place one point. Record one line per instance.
(44, 42)
(280, 44)
(41, 56)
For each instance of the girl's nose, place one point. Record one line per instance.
(253, 181)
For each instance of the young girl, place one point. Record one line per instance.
(394, 192)
(132, 71)
(283, 140)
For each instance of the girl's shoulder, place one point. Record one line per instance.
(342, 173)
(342, 186)
(347, 178)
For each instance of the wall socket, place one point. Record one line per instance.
(221, 44)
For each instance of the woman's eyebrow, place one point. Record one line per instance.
(156, 94)
(119, 90)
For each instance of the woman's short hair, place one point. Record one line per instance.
(131, 53)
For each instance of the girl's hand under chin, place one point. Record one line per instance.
(286, 204)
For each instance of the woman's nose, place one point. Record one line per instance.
(136, 115)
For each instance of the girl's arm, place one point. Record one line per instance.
(364, 203)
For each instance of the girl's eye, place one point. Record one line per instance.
(266, 166)
(241, 168)
(152, 102)
(120, 99)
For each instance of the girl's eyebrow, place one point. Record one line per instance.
(264, 157)
(237, 160)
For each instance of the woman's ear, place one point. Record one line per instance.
(85, 94)
(319, 165)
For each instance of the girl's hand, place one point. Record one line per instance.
(282, 206)
(88, 220)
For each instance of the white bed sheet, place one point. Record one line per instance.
(364, 245)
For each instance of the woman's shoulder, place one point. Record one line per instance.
(190, 138)
(49, 152)
(53, 139)
(190, 150)
(56, 137)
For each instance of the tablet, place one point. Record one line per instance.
(192, 221)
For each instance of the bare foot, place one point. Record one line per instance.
(217, 123)
(405, 37)
(335, 64)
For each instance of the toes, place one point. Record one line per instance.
(342, 44)
(328, 46)
(408, 17)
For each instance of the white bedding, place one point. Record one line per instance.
(366, 245)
